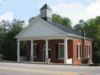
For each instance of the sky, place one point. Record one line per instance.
(73, 9)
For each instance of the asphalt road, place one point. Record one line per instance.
(43, 69)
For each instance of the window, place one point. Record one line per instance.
(61, 51)
(35, 50)
(87, 50)
(78, 51)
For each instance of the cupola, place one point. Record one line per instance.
(46, 13)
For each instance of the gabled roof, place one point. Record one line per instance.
(47, 27)
(46, 7)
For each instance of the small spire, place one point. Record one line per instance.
(46, 7)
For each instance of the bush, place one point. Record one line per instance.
(85, 60)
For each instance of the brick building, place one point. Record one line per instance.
(49, 40)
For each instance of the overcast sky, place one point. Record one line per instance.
(74, 9)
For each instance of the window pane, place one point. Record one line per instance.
(80, 51)
(85, 51)
(35, 51)
(61, 51)
(77, 51)
(89, 50)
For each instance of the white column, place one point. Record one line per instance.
(65, 50)
(46, 51)
(18, 51)
(31, 52)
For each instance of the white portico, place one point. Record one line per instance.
(39, 29)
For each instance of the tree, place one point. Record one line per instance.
(58, 19)
(64, 21)
(8, 41)
(92, 28)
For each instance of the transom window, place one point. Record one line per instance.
(61, 50)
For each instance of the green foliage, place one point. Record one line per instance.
(85, 60)
(64, 21)
(58, 19)
(92, 28)
(7, 38)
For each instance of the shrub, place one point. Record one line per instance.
(85, 60)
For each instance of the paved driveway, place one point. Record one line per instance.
(42, 69)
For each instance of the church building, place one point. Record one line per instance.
(51, 42)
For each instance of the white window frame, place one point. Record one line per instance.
(88, 50)
(59, 50)
(79, 50)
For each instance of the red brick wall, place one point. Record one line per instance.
(54, 50)
(40, 45)
(53, 45)
(70, 49)
(87, 42)
(75, 59)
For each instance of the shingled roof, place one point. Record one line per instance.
(66, 29)
(69, 30)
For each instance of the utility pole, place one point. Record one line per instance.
(84, 35)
